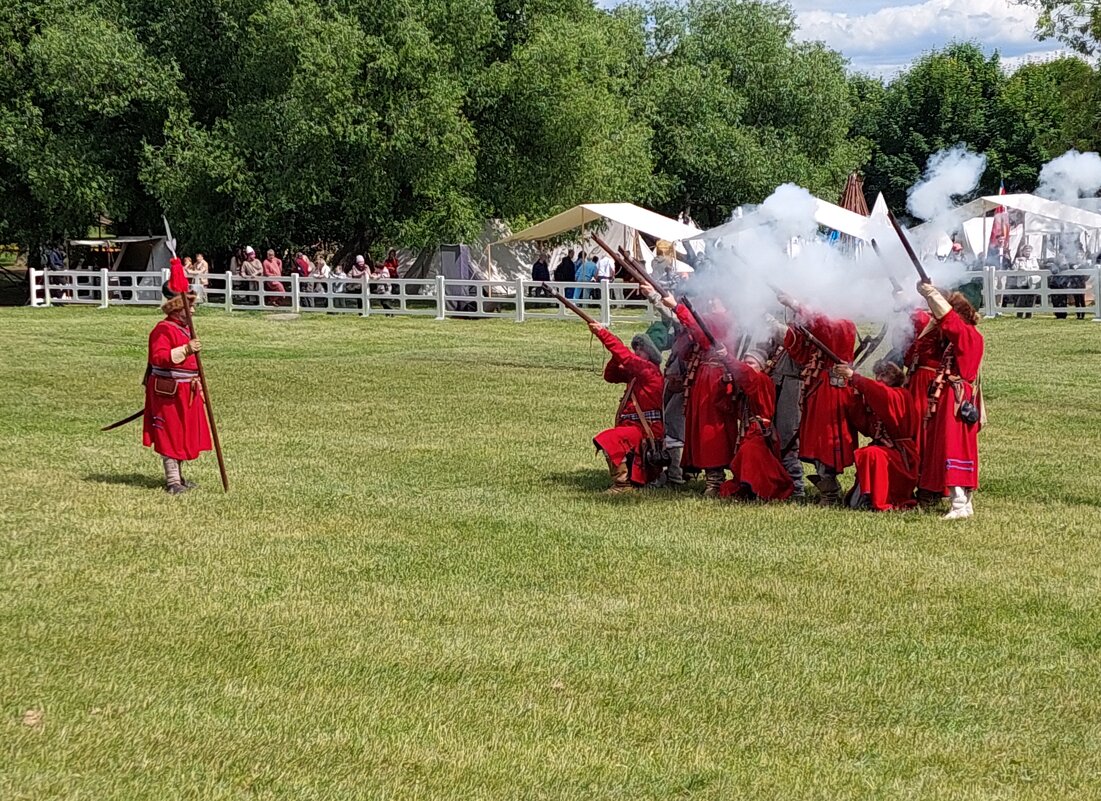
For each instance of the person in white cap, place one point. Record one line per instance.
(252, 268)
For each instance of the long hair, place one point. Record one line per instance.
(963, 307)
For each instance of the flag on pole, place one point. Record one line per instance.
(999, 228)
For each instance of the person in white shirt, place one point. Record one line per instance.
(605, 273)
(1025, 261)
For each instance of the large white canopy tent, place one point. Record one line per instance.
(1044, 221)
(826, 214)
(619, 224)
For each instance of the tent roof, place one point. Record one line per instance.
(628, 214)
(826, 214)
(1030, 204)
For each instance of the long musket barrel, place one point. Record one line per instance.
(802, 329)
(699, 320)
(909, 248)
(569, 304)
(625, 264)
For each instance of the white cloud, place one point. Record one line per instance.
(884, 39)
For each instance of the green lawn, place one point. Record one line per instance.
(417, 591)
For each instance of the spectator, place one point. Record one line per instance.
(540, 274)
(586, 274)
(301, 267)
(1025, 261)
(664, 266)
(359, 271)
(197, 271)
(273, 268)
(252, 267)
(380, 286)
(605, 274)
(391, 263)
(321, 270)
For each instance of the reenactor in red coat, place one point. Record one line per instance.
(175, 422)
(825, 437)
(884, 410)
(638, 421)
(953, 417)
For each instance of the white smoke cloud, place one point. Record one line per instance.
(1071, 176)
(948, 175)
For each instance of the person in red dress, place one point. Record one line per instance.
(950, 452)
(825, 437)
(709, 435)
(887, 468)
(175, 423)
(756, 470)
(639, 415)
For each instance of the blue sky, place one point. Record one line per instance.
(882, 37)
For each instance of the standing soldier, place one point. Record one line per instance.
(887, 468)
(639, 416)
(680, 350)
(175, 422)
(950, 455)
(825, 437)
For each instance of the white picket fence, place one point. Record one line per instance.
(518, 300)
(438, 297)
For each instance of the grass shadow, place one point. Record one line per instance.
(581, 480)
(141, 480)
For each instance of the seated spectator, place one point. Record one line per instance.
(321, 270)
(273, 267)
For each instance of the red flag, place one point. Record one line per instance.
(177, 278)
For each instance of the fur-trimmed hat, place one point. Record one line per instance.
(173, 301)
(646, 345)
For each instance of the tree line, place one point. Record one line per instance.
(369, 122)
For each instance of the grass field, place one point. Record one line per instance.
(417, 591)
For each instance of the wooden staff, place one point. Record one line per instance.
(569, 304)
(202, 373)
(206, 399)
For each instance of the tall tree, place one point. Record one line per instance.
(948, 97)
(1076, 24)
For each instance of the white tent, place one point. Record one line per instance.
(1041, 217)
(626, 214)
(828, 215)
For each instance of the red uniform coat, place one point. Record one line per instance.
(923, 356)
(624, 441)
(887, 472)
(710, 433)
(950, 456)
(756, 462)
(174, 425)
(824, 432)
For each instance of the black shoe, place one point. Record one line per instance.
(176, 489)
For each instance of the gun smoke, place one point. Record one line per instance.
(1071, 176)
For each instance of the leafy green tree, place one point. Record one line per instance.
(737, 106)
(78, 96)
(948, 97)
(1076, 24)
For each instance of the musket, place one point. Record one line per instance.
(569, 304)
(124, 421)
(699, 320)
(868, 346)
(802, 329)
(202, 373)
(909, 248)
(625, 264)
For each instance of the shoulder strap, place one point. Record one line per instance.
(641, 414)
(628, 394)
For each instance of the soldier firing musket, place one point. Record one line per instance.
(633, 445)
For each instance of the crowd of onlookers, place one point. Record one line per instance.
(584, 268)
(317, 277)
